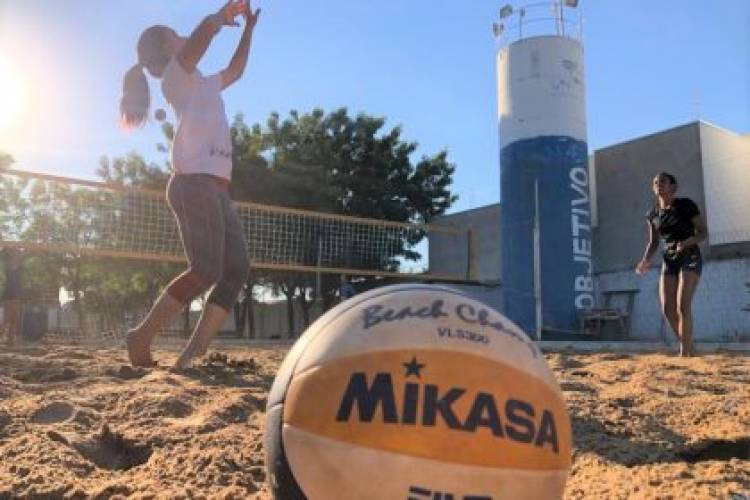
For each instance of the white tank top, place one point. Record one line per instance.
(202, 143)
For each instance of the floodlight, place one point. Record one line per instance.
(497, 29)
(571, 3)
(506, 11)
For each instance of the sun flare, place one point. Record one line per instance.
(12, 95)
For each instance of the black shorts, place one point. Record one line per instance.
(688, 260)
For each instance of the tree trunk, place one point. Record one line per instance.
(250, 307)
(78, 301)
(304, 306)
(328, 300)
(239, 319)
(289, 294)
(290, 316)
(248, 313)
(80, 313)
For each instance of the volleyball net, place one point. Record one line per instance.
(57, 214)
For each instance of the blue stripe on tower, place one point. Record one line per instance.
(559, 164)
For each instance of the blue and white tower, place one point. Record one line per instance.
(546, 210)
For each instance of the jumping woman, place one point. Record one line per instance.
(198, 189)
(679, 223)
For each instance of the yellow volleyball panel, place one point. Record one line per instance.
(326, 468)
(441, 405)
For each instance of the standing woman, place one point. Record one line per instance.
(679, 223)
(198, 190)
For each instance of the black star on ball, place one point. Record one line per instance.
(412, 367)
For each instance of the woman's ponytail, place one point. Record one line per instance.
(136, 100)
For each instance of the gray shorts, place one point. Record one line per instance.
(211, 233)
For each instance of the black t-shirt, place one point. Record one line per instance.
(675, 222)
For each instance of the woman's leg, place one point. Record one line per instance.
(140, 338)
(688, 283)
(224, 294)
(193, 203)
(668, 284)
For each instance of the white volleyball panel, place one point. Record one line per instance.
(541, 90)
(324, 468)
(423, 317)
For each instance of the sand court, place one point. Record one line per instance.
(78, 422)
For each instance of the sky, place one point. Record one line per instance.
(425, 65)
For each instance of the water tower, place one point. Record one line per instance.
(546, 209)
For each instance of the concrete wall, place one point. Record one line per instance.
(450, 254)
(717, 306)
(271, 320)
(623, 188)
(491, 296)
(726, 172)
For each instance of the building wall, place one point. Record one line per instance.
(449, 254)
(623, 175)
(623, 188)
(717, 306)
(271, 320)
(726, 172)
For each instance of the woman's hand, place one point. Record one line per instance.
(231, 10)
(251, 18)
(641, 268)
(236, 67)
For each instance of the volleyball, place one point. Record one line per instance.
(416, 391)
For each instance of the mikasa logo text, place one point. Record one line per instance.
(429, 404)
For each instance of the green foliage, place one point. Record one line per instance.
(344, 165)
(9, 198)
(132, 171)
(127, 285)
(68, 216)
(338, 164)
(332, 163)
(6, 160)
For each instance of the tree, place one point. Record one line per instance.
(132, 171)
(135, 284)
(10, 199)
(331, 163)
(338, 164)
(6, 160)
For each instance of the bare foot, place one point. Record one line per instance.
(185, 361)
(197, 347)
(686, 351)
(139, 349)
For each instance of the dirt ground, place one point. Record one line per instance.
(77, 422)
